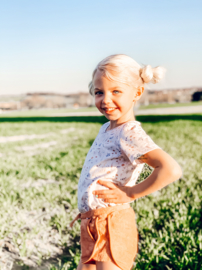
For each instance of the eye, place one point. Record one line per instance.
(98, 93)
(116, 91)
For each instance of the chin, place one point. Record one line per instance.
(111, 117)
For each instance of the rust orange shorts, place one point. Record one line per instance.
(109, 234)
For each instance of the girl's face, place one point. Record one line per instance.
(114, 99)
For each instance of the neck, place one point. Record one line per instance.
(123, 119)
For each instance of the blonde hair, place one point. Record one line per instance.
(124, 69)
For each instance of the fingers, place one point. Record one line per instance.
(110, 195)
(107, 184)
(112, 200)
(102, 192)
(106, 197)
(105, 194)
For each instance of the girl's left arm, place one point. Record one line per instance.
(166, 171)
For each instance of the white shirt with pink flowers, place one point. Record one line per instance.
(113, 157)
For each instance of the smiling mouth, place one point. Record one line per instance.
(109, 110)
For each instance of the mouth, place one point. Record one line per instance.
(109, 110)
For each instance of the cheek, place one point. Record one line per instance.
(126, 102)
(97, 101)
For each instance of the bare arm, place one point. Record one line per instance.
(166, 171)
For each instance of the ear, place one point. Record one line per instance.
(139, 91)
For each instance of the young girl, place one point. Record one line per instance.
(109, 237)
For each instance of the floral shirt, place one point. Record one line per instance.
(113, 157)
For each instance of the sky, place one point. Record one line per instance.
(54, 46)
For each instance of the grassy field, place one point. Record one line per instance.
(45, 112)
(167, 105)
(41, 161)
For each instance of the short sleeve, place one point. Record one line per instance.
(134, 142)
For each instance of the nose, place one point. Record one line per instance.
(106, 99)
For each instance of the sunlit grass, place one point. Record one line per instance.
(44, 112)
(167, 105)
(169, 222)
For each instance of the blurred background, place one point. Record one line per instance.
(48, 50)
(48, 121)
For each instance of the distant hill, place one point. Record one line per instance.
(37, 100)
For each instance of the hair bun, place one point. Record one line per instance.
(153, 75)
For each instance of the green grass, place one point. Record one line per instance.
(167, 105)
(45, 112)
(169, 225)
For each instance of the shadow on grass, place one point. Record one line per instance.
(102, 119)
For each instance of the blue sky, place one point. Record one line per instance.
(48, 45)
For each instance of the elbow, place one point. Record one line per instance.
(176, 172)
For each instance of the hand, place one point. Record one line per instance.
(115, 193)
